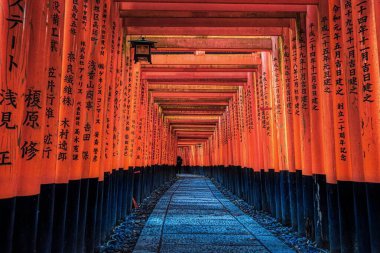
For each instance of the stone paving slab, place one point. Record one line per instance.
(194, 216)
(190, 229)
(211, 239)
(184, 248)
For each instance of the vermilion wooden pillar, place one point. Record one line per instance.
(328, 132)
(296, 101)
(305, 134)
(250, 93)
(341, 129)
(288, 106)
(377, 17)
(280, 78)
(257, 160)
(108, 158)
(50, 144)
(268, 132)
(365, 15)
(65, 119)
(353, 81)
(315, 75)
(279, 123)
(74, 227)
(14, 54)
(84, 122)
(133, 113)
(261, 141)
(32, 105)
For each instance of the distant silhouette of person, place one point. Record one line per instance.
(179, 164)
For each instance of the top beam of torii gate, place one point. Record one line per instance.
(214, 17)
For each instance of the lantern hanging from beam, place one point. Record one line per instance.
(143, 49)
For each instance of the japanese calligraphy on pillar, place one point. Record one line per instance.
(98, 70)
(325, 39)
(365, 17)
(265, 119)
(240, 113)
(350, 47)
(340, 87)
(352, 79)
(248, 104)
(56, 11)
(98, 36)
(276, 83)
(70, 60)
(34, 102)
(134, 110)
(315, 90)
(296, 81)
(287, 77)
(126, 95)
(80, 89)
(362, 19)
(12, 77)
(303, 67)
(313, 65)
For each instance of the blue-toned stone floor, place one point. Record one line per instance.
(194, 216)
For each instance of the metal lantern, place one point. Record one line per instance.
(143, 49)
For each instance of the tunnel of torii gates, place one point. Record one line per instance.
(277, 100)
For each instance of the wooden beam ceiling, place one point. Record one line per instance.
(202, 43)
(206, 22)
(205, 14)
(204, 31)
(283, 2)
(248, 6)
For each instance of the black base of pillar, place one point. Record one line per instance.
(7, 215)
(320, 211)
(60, 204)
(373, 203)
(113, 195)
(346, 216)
(362, 236)
(26, 224)
(82, 214)
(271, 192)
(137, 184)
(119, 194)
(130, 189)
(333, 217)
(99, 213)
(45, 218)
(258, 190)
(124, 193)
(285, 198)
(91, 214)
(300, 209)
(250, 186)
(293, 200)
(277, 193)
(264, 192)
(308, 206)
(72, 216)
(105, 214)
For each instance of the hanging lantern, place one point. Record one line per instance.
(143, 49)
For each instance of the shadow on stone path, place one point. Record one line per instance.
(194, 216)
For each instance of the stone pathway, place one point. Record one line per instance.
(194, 216)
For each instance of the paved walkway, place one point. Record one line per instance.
(194, 216)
